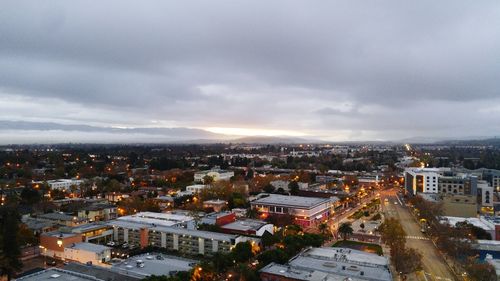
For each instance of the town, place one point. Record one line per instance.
(250, 212)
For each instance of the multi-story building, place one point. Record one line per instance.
(94, 232)
(216, 174)
(329, 264)
(460, 184)
(195, 188)
(305, 210)
(186, 241)
(161, 219)
(63, 219)
(423, 180)
(61, 184)
(98, 212)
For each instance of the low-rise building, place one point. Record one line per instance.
(61, 184)
(460, 205)
(98, 212)
(248, 227)
(63, 219)
(87, 253)
(305, 210)
(337, 264)
(94, 232)
(195, 188)
(215, 174)
(53, 243)
(219, 218)
(216, 204)
(149, 264)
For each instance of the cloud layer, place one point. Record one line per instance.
(336, 70)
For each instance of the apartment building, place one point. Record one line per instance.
(187, 241)
(216, 174)
(423, 180)
(461, 184)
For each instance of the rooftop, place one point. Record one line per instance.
(60, 217)
(52, 274)
(152, 265)
(316, 264)
(197, 233)
(89, 247)
(99, 272)
(245, 225)
(292, 201)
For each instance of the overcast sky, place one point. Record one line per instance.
(335, 70)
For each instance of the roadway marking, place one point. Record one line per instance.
(417, 237)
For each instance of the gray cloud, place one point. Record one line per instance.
(336, 69)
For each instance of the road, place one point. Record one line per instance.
(434, 267)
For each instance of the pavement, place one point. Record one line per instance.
(434, 267)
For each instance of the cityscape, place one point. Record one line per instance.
(249, 141)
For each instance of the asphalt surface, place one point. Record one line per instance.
(434, 267)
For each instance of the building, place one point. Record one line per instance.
(102, 273)
(216, 204)
(53, 243)
(63, 219)
(423, 180)
(337, 264)
(52, 274)
(98, 212)
(195, 188)
(61, 184)
(87, 253)
(460, 205)
(248, 227)
(161, 219)
(219, 218)
(93, 232)
(185, 241)
(306, 211)
(215, 174)
(460, 184)
(149, 264)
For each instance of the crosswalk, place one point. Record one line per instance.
(417, 237)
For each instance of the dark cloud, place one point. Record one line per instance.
(336, 69)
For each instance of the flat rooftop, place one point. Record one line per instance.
(52, 274)
(161, 219)
(153, 266)
(291, 201)
(315, 264)
(245, 225)
(89, 247)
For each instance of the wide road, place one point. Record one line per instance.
(434, 267)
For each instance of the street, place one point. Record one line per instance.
(434, 267)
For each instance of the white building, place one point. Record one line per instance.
(418, 180)
(216, 174)
(87, 252)
(195, 188)
(61, 184)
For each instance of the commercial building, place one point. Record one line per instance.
(306, 211)
(337, 264)
(460, 205)
(248, 227)
(52, 274)
(149, 264)
(220, 218)
(462, 184)
(87, 253)
(215, 174)
(93, 232)
(53, 243)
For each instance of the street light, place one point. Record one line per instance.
(60, 240)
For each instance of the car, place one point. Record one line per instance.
(395, 203)
(51, 262)
(125, 245)
(111, 243)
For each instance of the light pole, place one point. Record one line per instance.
(44, 255)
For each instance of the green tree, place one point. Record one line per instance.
(345, 229)
(323, 228)
(9, 246)
(242, 252)
(275, 255)
(293, 187)
(406, 260)
(392, 233)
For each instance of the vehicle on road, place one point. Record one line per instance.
(111, 243)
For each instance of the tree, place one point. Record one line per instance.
(392, 233)
(268, 239)
(406, 260)
(208, 179)
(481, 272)
(268, 188)
(293, 187)
(362, 226)
(323, 228)
(345, 229)
(30, 196)
(275, 255)
(9, 246)
(242, 252)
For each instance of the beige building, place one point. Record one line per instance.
(460, 205)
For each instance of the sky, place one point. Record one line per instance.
(329, 70)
